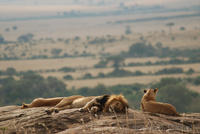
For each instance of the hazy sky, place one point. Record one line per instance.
(138, 2)
(9, 6)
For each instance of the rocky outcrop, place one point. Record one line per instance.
(71, 121)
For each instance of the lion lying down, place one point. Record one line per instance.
(149, 104)
(104, 103)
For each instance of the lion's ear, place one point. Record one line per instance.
(156, 90)
(145, 91)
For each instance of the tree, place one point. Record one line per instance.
(7, 29)
(10, 71)
(55, 51)
(128, 30)
(25, 38)
(141, 49)
(170, 25)
(77, 38)
(182, 28)
(68, 77)
(174, 91)
(29, 86)
(116, 60)
(190, 71)
(67, 69)
(87, 76)
(14, 27)
(2, 40)
(101, 75)
(197, 80)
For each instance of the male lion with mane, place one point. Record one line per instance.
(104, 103)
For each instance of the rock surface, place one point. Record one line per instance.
(71, 121)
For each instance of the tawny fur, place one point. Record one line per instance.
(149, 104)
(51, 102)
(118, 102)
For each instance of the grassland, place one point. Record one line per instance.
(61, 33)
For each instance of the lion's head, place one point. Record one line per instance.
(150, 94)
(116, 103)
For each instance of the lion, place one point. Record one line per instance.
(149, 104)
(94, 104)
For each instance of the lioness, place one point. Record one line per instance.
(105, 103)
(149, 104)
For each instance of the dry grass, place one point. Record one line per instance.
(153, 69)
(44, 64)
(194, 88)
(97, 26)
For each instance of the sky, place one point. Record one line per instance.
(9, 7)
(63, 2)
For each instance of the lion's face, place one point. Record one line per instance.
(117, 106)
(150, 93)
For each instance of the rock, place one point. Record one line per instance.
(71, 121)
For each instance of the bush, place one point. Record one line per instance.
(68, 77)
(128, 30)
(87, 76)
(25, 38)
(174, 91)
(55, 51)
(190, 71)
(140, 49)
(66, 69)
(169, 71)
(10, 71)
(2, 40)
(29, 86)
(197, 80)
(101, 75)
(119, 73)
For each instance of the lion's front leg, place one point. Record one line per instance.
(93, 105)
(49, 111)
(88, 105)
(57, 109)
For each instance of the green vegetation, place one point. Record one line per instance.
(101, 40)
(182, 28)
(124, 73)
(31, 85)
(128, 30)
(171, 91)
(55, 52)
(142, 49)
(9, 71)
(170, 71)
(172, 61)
(68, 77)
(2, 40)
(115, 61)
(170, 25)
(66, 69)
(139, 49)
(174, 91)
(26, 37)
(195, 81)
